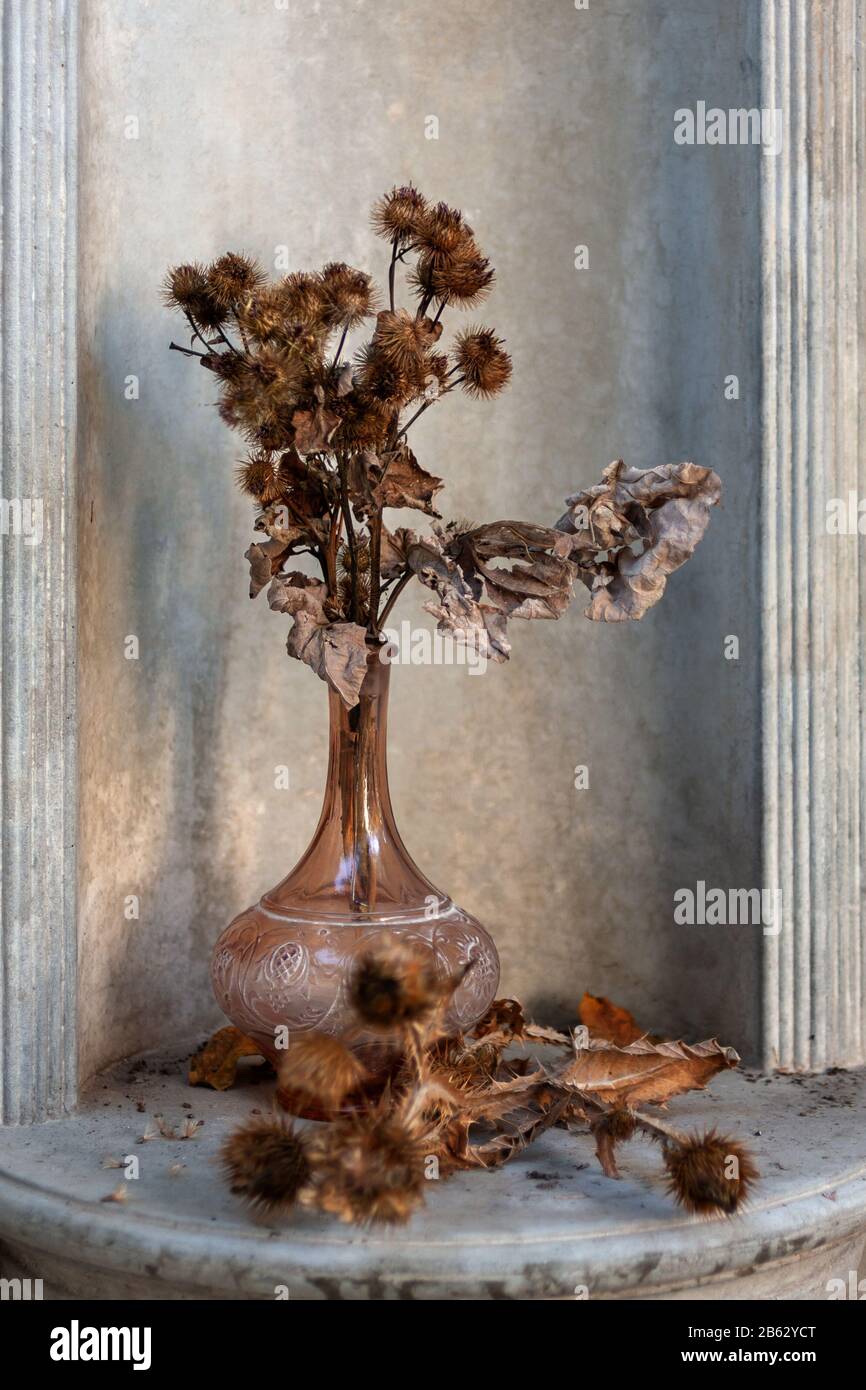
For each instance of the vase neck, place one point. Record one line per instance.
(357, 859)
(356, 792)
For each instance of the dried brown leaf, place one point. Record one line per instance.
(217, 1063)
(643, 1072)
(314, 429)
(633, 529)
(406, 484)
(609, 1021)
(265, 560)
(337, 652)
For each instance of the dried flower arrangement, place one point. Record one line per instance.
(468, 1102)
(329, 454)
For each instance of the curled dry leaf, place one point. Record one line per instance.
(392, 558)
(314, 429)
(457, 612)
(608, 1021)
(405, 483)
(633, 529)
(539, 586)
(276, 521)
(217, 1063)
(265, 560)
(643, 1072)
(504, 1015)
(336, 651)
(516, 1129)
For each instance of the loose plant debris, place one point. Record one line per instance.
(329, 454)
(217, 1063)
(471, 1101)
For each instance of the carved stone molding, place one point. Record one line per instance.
(813, 581)
(37, 571)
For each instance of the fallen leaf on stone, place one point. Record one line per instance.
(217, 1063)
(503, 1015)
(643, 1073)
(609, 1021)
(516, 1130)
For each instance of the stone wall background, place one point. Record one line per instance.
(261, 127)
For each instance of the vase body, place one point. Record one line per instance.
(286, 962)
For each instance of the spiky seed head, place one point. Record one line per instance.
(369, 1168)
(348, 294)
(709, 1174)
(183, 284)
(234, 277)
(383, 381)
(402, 338)
(257, 475)
(399, 214)
(320, 1071)
(443, 230)
(463, 279)
(396, 983)
(186, 287)
(483, 362)
(303, 298)
(266, 1163)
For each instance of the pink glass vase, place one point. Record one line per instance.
(285, 962)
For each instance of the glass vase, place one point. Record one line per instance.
(285, 962)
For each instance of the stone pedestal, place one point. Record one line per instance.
(548, 1225)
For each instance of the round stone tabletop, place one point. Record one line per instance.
(548, 1225)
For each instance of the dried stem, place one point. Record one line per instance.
(419, 411)
(391, 272)
(375, 577)
(340, 346)
(393, 597)
(350, 533)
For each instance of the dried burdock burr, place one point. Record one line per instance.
(266, 1163)
(709, 1174)
(369, 1167)
(319, 1072)
(396, 985)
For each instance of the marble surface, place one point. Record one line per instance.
(547, 1226)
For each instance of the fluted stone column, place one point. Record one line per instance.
(813, 579)
(37, 563)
